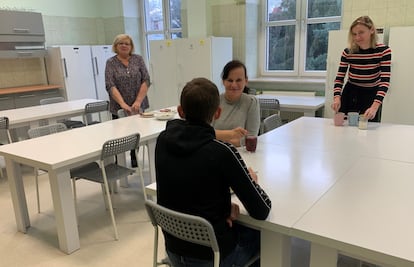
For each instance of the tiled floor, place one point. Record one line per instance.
(98, 248)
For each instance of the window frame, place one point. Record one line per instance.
(301, 23)
(167, 30)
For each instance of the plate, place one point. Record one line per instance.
(147, 115)
(164, 116)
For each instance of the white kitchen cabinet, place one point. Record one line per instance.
(72, 67)
(100, 54)
(336, 43)
(397, 105)
(173, 63)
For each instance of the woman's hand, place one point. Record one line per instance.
(238, 133)
(372, 111)
(336, 104)
(136, 107)
(234, 214)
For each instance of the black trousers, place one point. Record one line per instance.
(132, 153)
(358, 99)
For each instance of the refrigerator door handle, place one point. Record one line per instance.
(96, 66)
(65, 67)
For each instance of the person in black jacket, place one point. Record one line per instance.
(194, 173)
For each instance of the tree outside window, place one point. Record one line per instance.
(296, 35)
(162, 20)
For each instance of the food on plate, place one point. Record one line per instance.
(165, 110)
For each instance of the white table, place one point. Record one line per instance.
(306, 104)
(365, 211)
(346, 190)
(367, 214)
(57, 154)
(30, 116)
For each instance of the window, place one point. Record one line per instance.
(296, 36)
(162, 20)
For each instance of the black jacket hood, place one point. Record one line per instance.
(183, 138)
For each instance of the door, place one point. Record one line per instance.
(100, 54)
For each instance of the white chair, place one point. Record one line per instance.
(4, 127)
(106, 171)
(42, 131)
(272, 122)
(268, 106)
(187, 227)
(122, 114)
(95, 108)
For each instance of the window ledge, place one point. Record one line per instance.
(315, 81)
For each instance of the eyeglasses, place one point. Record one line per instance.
(128, 44)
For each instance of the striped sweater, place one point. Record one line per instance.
(368, 68)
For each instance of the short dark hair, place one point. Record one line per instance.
(199, 100)
(234, 64)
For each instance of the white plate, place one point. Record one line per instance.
(164, 116)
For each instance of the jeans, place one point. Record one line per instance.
(247, 247)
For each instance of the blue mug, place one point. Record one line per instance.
(353, 118)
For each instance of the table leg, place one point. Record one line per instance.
(64, 207)
(274, 249)
(151, 159)
(18, 195)
(122, 161)
(322, 256)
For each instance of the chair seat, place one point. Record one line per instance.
(92, 172)
(73, 124)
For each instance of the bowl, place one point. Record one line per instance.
(164, 116)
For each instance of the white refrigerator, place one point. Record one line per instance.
(71, 66)
(100, 54)
(173, 63)
(398, 103)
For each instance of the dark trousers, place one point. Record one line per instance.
(248, 245)
(358, 99)
(132, 153)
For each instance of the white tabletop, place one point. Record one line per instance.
(73, 146)
(59, 152)
(23, 116)
(344, 188)
(368, 210)
(306, 104)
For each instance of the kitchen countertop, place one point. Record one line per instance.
(24, 89)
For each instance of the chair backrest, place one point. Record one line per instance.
(187, 227)
(95, 107)
(4, 126)
(46, 130)
(268, 106)
(51, 100)
(272, 122)
(121, 113)
(120, 145)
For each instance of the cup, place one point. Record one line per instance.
(353, 118)
(251, 142)
(363, 122)
(339, 119)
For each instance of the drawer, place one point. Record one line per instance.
(6, 102)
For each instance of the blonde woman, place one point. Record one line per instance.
(126, 80)
(368, 64)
